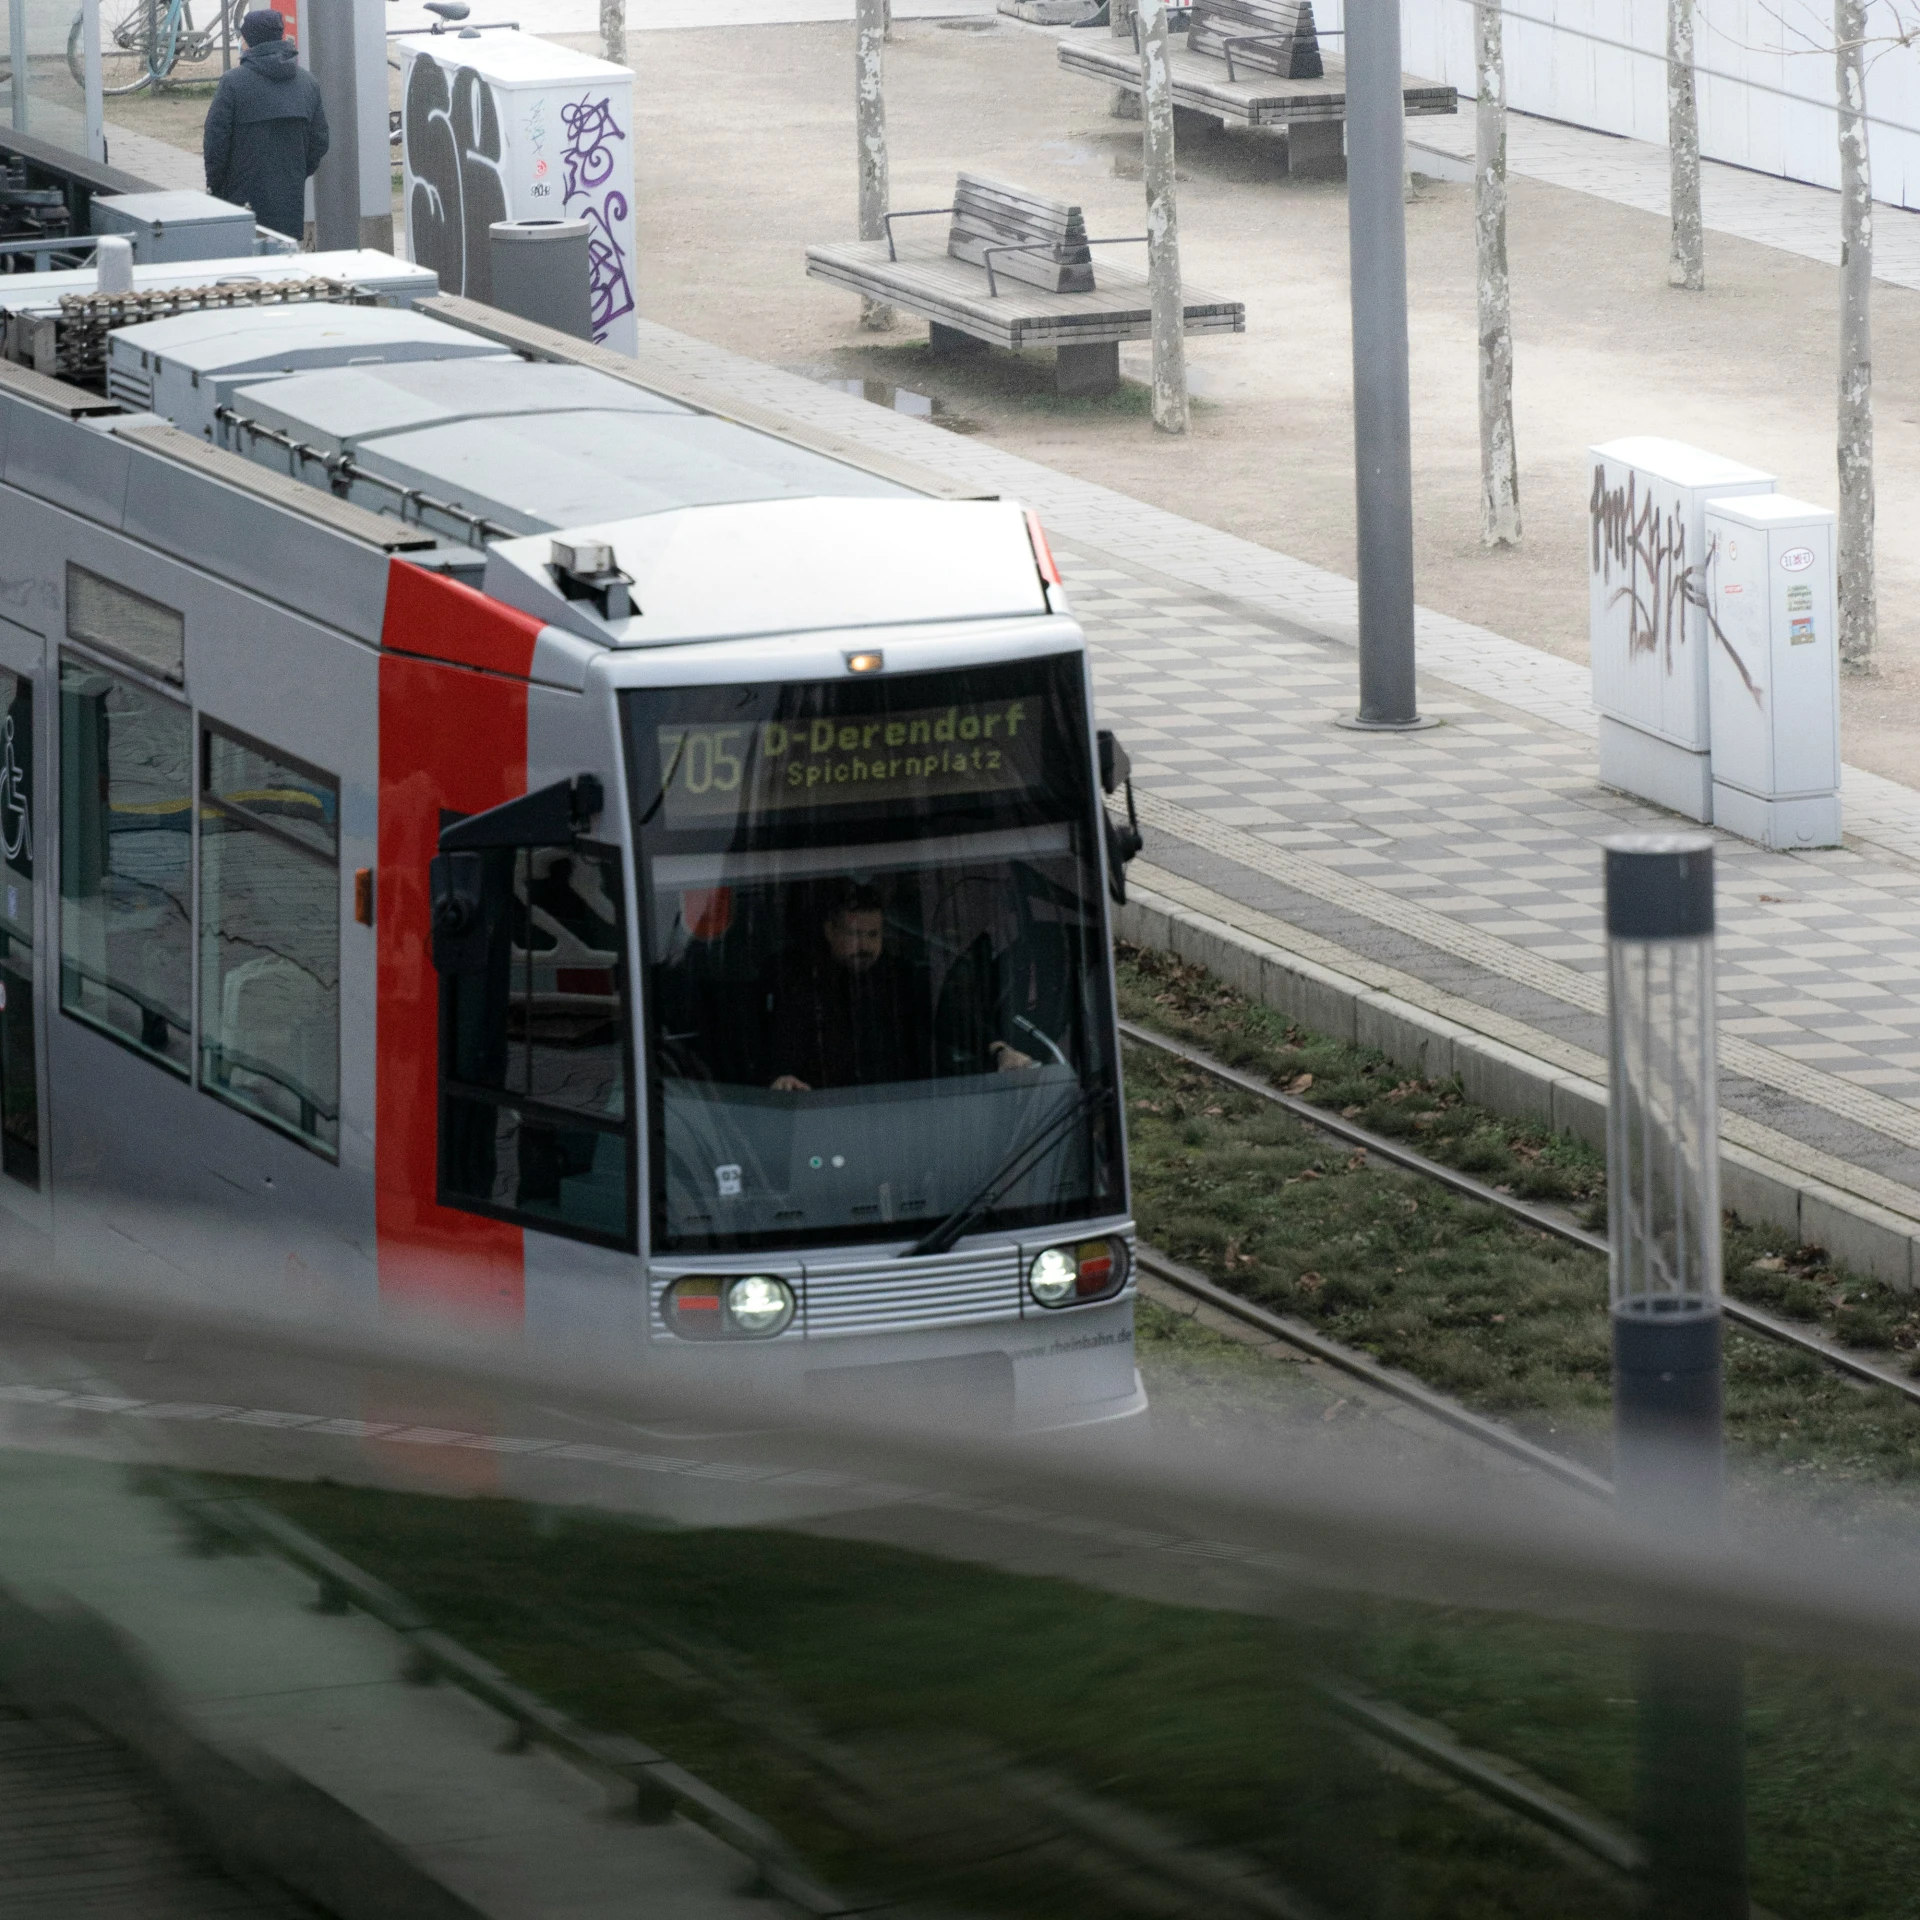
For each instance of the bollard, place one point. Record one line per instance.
(1663, 1206)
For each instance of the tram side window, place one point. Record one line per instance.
(534, 1113)
(270, 937)
(126, 803)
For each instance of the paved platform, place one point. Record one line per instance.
(1761, 207)
(1465, 860)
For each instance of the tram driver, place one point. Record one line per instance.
(854, 1012)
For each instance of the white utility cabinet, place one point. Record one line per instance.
(507, 126)
(1774, 670)
(1646, 614)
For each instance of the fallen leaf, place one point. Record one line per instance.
(1310, 1282)
(1332, 1410)
(1300, 1083)
(1347, 1113)
(1498, 1319)
(1214, 1113)
(1773, 1263)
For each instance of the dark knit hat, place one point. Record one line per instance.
(261, 25)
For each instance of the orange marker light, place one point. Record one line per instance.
(874, 662)
(1042, 553)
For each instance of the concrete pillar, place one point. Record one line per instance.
(345, 45)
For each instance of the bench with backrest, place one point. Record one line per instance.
(1017, 271)
(1255, 62)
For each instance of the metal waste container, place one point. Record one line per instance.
(541, 272)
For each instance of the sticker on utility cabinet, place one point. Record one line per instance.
(1800, 598)
(1800, 632)
(1797, 559)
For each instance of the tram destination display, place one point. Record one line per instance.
(906, 757)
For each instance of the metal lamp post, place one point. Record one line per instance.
(1663, 1204)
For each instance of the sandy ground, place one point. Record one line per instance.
(744, 154)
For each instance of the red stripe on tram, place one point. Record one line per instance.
(452, 739)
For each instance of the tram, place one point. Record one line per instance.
(488, 837)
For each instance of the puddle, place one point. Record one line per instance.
(883, 393)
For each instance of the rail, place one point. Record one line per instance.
(1546, 1219)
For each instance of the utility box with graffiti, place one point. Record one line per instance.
(505, 126)
(1648, 617)
(1774, 673)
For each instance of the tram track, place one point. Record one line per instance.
(1544, 1219)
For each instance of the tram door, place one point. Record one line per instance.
(24, 719)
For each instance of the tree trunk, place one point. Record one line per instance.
(1163, 224)
(1499, 461)
(1687, 265)
(870, 124)
(613, 31)
(1854, 441)
(1125, 104)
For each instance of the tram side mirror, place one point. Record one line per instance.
(554, 816)
(1123, 841)
(456, 884)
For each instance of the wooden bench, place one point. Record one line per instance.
(1255, 62)
(1017, 271)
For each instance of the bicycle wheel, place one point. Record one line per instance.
(127, 33)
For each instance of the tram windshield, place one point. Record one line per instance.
(875, 978)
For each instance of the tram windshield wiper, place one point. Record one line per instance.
(1014, 1167)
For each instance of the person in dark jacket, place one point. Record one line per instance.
(266, 130)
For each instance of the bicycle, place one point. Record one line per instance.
(142, 41)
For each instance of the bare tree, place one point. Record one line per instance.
(613, 31)
(1170, 409)
(1854, 439)
(870, 127)
(1687, 262)
(1499, 460)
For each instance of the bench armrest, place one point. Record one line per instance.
(910, 213)
(1047, 246)
(1228, 44)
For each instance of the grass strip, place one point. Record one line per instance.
(1508, 1319)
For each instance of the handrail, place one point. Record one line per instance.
(1057, 248)
(909, 213)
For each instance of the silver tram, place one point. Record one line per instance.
(482, 833)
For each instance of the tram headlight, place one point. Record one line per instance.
(713, 1307)
(760, 1304)
(1086, 1270)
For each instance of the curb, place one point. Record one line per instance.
(1507, 1080)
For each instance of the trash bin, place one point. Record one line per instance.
(1774, 670)
(541, 270)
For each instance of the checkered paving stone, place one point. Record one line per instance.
(1493, 819)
